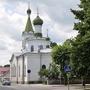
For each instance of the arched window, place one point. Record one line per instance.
(47, 46)
(32, 48)
(43, 66)
(40, 47)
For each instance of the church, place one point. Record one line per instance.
(35, 53)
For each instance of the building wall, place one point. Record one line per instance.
(34, 63)
(16, 75)
(13, 66)
(46, 59)
(38, 28)
(25, 69)
(19, 70)
(36, 43)
(34, 66)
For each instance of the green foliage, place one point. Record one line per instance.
(81, 44)
(43, 72)
(83, 15)
(54, 71)
(61, 56)
(51, 73)
(81, 55)
(53, 44)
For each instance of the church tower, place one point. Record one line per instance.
(36, 53)
(28, 33)
(38, 25)
(32, 40)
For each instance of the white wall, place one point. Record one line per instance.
(12, 69)
(19, 68)
(38, 28)
(34, 64)
(36, 43)
(46, 59)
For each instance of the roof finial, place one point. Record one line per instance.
(28, 4)
(37, 12)
(29, 10)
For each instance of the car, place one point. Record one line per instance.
(6, 82)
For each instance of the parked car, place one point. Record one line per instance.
(6, 82)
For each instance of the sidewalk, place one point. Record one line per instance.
(54, 87)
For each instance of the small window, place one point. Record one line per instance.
(32, 48)
(43, 66)
(47, 46)
(40, 47)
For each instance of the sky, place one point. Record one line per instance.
(13, 17)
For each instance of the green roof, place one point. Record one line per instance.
(37, 21)
(29, 25)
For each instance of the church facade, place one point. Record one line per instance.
(35, 53)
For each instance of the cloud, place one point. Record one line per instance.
(56, 16)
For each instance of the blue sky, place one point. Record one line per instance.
(56, 16)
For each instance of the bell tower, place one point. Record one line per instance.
(38, 25)
(28, 33)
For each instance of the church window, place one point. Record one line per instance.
(40, 47)
(32, 48)
(43, 66)
(47, 46)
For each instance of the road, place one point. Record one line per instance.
(38, 87)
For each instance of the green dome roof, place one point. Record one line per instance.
(37, 21)
(28, 11)
(29, 27)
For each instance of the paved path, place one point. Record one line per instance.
(39, 87)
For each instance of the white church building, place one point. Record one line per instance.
(35, 53)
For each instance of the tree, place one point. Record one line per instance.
(53, 71)
(53, 44)
(43, 72)
(61, 56)
(81, 44)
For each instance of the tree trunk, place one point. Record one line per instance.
(83, 82)
(65, 79)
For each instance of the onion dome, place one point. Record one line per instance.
(28, 11)
(37, 21)
(29, 27)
